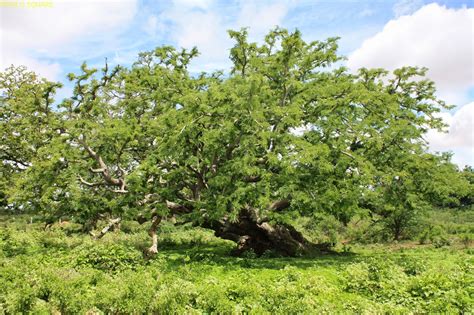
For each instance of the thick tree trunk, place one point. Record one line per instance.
(251, 234)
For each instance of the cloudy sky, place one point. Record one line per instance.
(54, 40)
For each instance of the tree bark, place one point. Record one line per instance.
(112, 224)
(104, 170)
(251, 234)
(153, 250)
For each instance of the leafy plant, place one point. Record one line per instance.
(107, 257)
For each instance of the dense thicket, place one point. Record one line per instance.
(287, 133)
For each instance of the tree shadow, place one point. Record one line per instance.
(219, 255)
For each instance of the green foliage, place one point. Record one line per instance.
(284, 124)
(412, 266)
(414, 285)
(27, 124)
(366, 231)
(108, 257)
(14, 243)
(434, 234)
(467, 239)
(453, 221)
(108, 276)
(321, 229)
(467, 199)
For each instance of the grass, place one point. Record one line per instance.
(63, 271)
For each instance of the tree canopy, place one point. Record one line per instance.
(287, 132)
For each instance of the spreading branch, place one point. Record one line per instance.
(83, 181)
(103, 170)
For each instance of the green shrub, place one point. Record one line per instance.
(49, 272)
(412, 265)
(176, 297)
(367, 232)
(441, 241)
(435, 235)
(107, 257)
(130, 292)
(131, 227)
(373, 276)
(438, 292)
(321, 228)
(14, 242)
(415, 286)
(466, 239)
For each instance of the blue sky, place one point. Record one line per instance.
(55, 40)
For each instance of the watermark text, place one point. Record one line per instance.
(26, 4)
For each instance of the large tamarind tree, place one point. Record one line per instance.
(286, 133)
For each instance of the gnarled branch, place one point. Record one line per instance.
(104, 169)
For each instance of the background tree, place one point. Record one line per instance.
(27, 123)
(467, 199)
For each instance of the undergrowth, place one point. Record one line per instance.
(58, 270)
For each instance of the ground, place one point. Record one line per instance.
(62, 271)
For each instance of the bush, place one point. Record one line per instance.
(412, 265)
(131, 227)
(54, 273)
(366, 232)
(441, 241)
(411, 283)
(177, 297)
(466, 239)
(14, 242)
(434, 234)
(321, 228)
(108, 257)
(373, 276)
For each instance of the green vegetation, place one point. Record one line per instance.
(62, 270)
(154, 190)
(285, 135)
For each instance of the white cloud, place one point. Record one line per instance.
(459, 137)
(151, 25)
(404, 7)
(260, 18)
(203, 24)
(197, 24)
(435, 37)
(26, 33)
(202, 29)
(125, 57)
(201, 4)
(11, 56)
